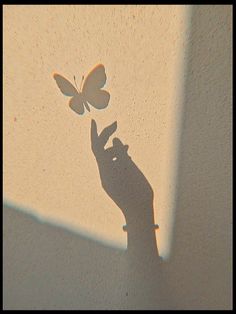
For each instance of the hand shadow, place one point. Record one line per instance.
(128, 188)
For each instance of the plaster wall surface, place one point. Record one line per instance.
(47, 147)
(169, 75)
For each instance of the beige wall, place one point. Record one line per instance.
(53, 168)
(169, 75)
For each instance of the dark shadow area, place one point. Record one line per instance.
(200, 268)
(47, 268)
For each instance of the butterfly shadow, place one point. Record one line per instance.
(90, 92)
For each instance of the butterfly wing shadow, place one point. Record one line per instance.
(99, 99)
(76, 104)
(91, 90)
(64, 85)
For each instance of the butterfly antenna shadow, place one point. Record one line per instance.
(76, 84)
(85, 103)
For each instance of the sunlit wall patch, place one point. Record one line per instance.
(166, 216)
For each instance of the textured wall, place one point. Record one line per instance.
(169, 75)
(47, 146)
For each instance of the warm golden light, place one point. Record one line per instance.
(48, 163)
